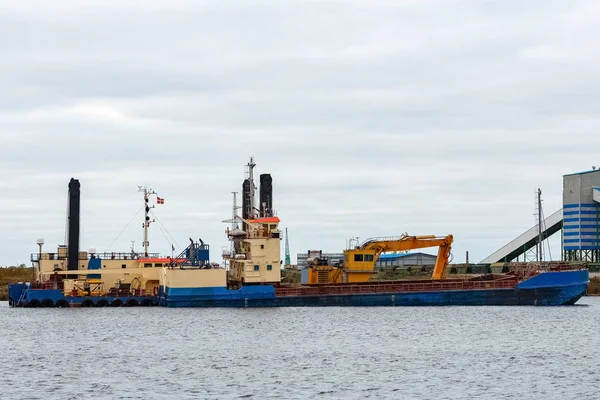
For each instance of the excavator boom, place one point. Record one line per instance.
(359, 262)
(403, 243)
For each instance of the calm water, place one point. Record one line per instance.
(288, 353)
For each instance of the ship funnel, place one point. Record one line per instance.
(266, 195)
(73, 232)
(246, 203)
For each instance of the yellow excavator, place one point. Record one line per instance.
(359, 262)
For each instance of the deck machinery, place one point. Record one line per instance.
(359, 262)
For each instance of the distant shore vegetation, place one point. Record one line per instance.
(12, 275)
(594, 287)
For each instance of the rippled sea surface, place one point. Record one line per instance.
(298, 353)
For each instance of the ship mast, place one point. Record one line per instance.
(147, 192)
(235, 244)
(234, 247)
(234, 221)
(251, 199)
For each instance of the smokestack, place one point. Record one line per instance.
(246, 203)
(73, 233)
(266, 195)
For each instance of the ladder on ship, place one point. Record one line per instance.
(195, 255)
(21, 297)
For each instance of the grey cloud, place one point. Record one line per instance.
(374, 119)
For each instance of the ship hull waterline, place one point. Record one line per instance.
(493, 297)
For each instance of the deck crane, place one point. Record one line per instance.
(359, 262)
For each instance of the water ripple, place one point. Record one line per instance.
(298, 353)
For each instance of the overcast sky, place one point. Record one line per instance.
(374, 118)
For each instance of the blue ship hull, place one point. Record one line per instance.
(20, 296)
(545, 289)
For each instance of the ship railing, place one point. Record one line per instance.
(35, 257)
(233, 255)
(396, 287)
(392, 239)
(381, 239)
(124, 256)
(563, 266)
(227, 253)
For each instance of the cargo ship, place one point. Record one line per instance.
(251, 272)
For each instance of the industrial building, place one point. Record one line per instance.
(391, 260)
(581, 216)
(578, 221)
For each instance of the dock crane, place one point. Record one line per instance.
(359, 262)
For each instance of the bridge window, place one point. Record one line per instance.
(123, 266)
(369, 257)
(148, 265)
(358, 257)
(158, 265)
(256, 267)
(269, 267)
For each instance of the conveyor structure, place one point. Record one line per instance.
(527, 240)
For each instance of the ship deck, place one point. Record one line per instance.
(404, 286)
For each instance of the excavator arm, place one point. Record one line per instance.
(359, 262)
(405, 242)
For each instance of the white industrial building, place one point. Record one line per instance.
(391, 260)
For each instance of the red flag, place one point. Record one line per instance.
(159, 200)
